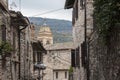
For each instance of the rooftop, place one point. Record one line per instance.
(59, 46)
(69, 4)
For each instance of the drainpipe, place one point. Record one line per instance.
(86, 44)
(19, 51)
(85, 22)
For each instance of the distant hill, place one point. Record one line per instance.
(62, 29)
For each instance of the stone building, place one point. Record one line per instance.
(14, 33)
(22, 45)
(32, 29)
(37, 53)
(4, 29)
(16, 48)
(104, 51)
(58, 61)
(82, 17)
(37, 57)
(45, 35)
(98, 61)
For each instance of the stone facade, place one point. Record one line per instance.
(37, 58)
(32, 29)
(16, 65)
(104, 59)
(5, 72)
(58, 61)
(78, 21)
(101, 61)
(15, 30)
(22, 42)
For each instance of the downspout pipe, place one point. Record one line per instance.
(19, 47)
(86, 44)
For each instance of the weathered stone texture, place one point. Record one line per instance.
(105, 59)
(57, 59)
(79, 34)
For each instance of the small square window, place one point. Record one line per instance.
(65, 75)
(56, 75)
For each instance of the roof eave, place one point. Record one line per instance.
(38, 46)
(18, 17)
(69, 4)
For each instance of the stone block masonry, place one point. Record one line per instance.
(105, 59)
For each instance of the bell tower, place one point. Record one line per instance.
(45, 35)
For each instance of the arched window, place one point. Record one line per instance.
(48, 42)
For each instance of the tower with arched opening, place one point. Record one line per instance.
(45, 35)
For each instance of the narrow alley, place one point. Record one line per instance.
(59, 40)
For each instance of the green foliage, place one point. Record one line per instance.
(5, 48)
(106, 16)
(71, 70)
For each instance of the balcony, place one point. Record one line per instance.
(4, 4)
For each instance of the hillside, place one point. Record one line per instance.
(62, 29)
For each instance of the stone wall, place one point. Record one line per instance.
(104, 60)
(57, 61)
(5, 72)
(10, 70)
(79, 34)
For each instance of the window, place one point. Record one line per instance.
(56, 75)
(65, 74)
(27, 49)
(77, 56)
(48, 42)
(73, 58)
(14, 36)
(75, 13)
(3, 33)
(83, 54)
(76, 7)
(81, 4)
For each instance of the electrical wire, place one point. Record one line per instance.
(51, 11)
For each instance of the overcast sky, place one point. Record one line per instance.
(31, 8)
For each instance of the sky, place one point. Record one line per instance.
(42, 8)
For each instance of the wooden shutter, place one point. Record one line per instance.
(77, 57)
(73, 58)
(76, 7)
(83, 54)
(81, 4)
(3, 33)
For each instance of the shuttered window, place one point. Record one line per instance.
(73, 58)
(75, 13)
(65, 75)
(3, 33)
(77, 57)
(56, 75)
(81, 4)
(83, 54)
(76, 7)
(14, 36)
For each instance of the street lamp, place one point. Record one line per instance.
(40, 66)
